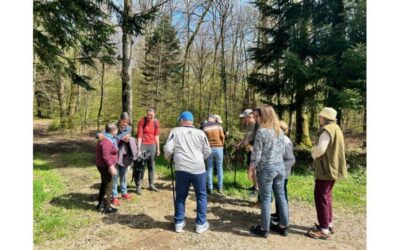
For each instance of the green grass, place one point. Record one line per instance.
(349, 193)
(51, 220)
(78, 159)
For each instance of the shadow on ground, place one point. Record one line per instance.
(80, 201)
(139, 221)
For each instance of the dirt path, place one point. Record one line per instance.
(146, 221)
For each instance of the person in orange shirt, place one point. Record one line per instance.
(148, 131)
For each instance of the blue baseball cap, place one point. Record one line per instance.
(186, 116)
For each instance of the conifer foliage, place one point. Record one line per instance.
(162, 66)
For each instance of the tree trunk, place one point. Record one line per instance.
(101, 95)
(291, 114)
(365, 119)
(38, 95)
(223, 70)
(61, 97)
(306, 133)
(72, 104)
(299, 120)
(126, 62)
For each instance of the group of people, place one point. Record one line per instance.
(117, 150)
(269, 158)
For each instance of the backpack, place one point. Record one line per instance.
(145, 122)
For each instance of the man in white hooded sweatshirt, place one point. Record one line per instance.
(189, 147)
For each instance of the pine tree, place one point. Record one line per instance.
(162, 67)
(284, 58)
(69, 32)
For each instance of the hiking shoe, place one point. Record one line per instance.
(153, 188)
(138, 190)
(100, 207)
(252, 188)
(253, 193)
(275, 216)
(209, 191)
(202, 228)
(220, 191)
(318, 235)
(115, 201)
(126, 197)
(179, 227)
(317, 227)
(278, 229)
(110, 210)
(257, 231)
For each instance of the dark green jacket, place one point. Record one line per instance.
(332, 164)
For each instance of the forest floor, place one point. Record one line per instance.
(146, 222)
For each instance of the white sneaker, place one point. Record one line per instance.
(202, 228)
(179, 227)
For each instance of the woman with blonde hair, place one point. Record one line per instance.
(267, 159)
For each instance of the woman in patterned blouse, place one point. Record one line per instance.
(267, 159)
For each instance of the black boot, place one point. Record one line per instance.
(100, 207)
(110, 210)
(139, 188)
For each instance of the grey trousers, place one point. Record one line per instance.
(151, 148)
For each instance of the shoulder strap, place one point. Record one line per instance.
(145, 122)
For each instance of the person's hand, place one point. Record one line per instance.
(248, 147)
(112, 170)
(126, 138)
(158, 152)
(101, 137)
(251, 172)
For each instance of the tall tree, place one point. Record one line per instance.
(162, 67)
(189, 44)
(67, 34)
(132, 24)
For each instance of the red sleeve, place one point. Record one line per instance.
(157, 129)
(140, 128)
(106, 153)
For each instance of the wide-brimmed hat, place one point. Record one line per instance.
(245, 113)
(328, 113)
(218, 118)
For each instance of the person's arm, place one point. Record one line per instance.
(221, 135)
(242, 142)
(323, 142)
(257, 150)
(157, 137)
(158, 145)
(105, 155)
(169, 147)
(289, 158)
(206, 150)
(124, 136)
(140, 132)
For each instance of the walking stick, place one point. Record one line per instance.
(172, 182)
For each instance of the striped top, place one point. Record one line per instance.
(215, 134)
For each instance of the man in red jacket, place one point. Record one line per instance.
(148, 131)
(106, 158)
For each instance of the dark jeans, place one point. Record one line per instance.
(105, 186)
(248, 158)
(183, 181)
(151, 148)
(276, 202)
(323, 202)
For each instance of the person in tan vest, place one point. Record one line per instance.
(330, 165)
